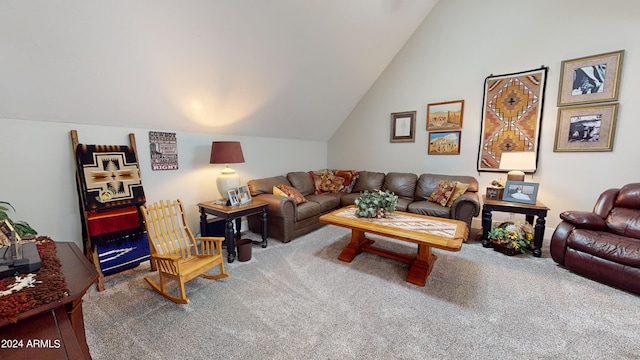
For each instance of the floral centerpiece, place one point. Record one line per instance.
(376, 204)
(510, 238)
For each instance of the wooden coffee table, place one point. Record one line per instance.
(426, 231)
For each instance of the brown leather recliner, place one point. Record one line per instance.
(604, 244)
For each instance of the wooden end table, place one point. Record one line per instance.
(229, 214)
(529, 210)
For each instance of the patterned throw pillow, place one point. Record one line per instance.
(350, 177)
(327, 182)
(290, 192)
(443, 192)
(460, 189)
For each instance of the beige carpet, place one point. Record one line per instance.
(297, 301)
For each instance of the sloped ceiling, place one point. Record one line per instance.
(270, 68)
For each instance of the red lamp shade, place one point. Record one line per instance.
(226, 152)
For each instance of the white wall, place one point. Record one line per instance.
(38, 172)
(462, 42)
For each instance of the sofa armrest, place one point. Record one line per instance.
(466, 207)
(584, 220)
(558, 246)
(280, 206)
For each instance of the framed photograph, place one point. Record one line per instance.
(590, 79)
(520, 191)
(244, 195)
(444, 143)
(586, 128)
(445, 115)
(233, 197)
(403, 126)
(5, 233)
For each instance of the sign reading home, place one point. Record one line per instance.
(163, 147)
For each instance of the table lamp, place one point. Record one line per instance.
(517, 163)
(226, 152)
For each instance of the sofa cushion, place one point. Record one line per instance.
(350, 178)
(401, 184)
(429, 182)
(424, 207)
(291, 192)
(460, 189)
(307, 210)
(369, 181)
(443, 192)
(620, 249)
(326, 181)
(302, 181)
(265, 186)
(327, 202)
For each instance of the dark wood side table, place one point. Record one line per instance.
(529, 210)
(229, 214)
(60, 324)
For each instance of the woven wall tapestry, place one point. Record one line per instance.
(511, 117)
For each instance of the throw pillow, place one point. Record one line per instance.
(443, 192)
(350, 177)
(460, 189)
(292, 193)
(278, 192)
(327, 182)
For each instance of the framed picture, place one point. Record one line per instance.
(244, 195)
(403, 126)
(445, 115)
(520, 191)
(590, 79)
(233, 197)
(586, 128)
(5, 233)
(444, 143)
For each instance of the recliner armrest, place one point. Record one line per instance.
(584, 220)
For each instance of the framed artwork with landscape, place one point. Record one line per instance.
(445, 115)
(444, 143)
(586, 128)
(590, 79)
(520, 192)
(403, 126)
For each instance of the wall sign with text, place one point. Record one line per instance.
(163, 148)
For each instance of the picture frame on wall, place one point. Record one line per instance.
(403, 126)
(444, 143)
(446, 115)
(586, 128)
(520, 192)
(590, 79)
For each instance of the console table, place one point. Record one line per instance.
(54, 330)
(229, 214)
(529, 210)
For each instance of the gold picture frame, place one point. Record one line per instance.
(590, 79)
(403, 127)
(586, 128)
(445, 115)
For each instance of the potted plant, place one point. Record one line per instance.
(510, 238)
(22, 228)
(376, 204)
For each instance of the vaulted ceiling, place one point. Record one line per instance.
(277, 68)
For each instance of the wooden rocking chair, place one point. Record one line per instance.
(175, 250)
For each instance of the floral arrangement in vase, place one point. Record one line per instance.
(511, 238)
(376, 204)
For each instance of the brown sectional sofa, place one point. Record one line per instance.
(288, 220)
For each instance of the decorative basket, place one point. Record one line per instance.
(505, 250)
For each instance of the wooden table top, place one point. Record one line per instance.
(447, 234)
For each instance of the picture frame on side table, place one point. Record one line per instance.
(244, 195)
(233, 197)
(445, 115)
(590, 79)
(403, 126)
(520, 192)
(5, 233)
(586, 128)
(444, 143)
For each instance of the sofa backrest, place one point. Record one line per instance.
(265, 186)
(624, 217)
(402, 184)
(369, 181)
(429, 182)
(302, 181)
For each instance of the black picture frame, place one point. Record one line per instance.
(520, 192)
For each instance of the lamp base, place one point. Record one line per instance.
(515, 175)
(227, 180)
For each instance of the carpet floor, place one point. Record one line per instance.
(298, 301)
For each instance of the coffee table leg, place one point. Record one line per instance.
(353, 249)
(422, 266)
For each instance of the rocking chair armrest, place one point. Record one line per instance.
(217, 239)
(210, 245)
(166, 257)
